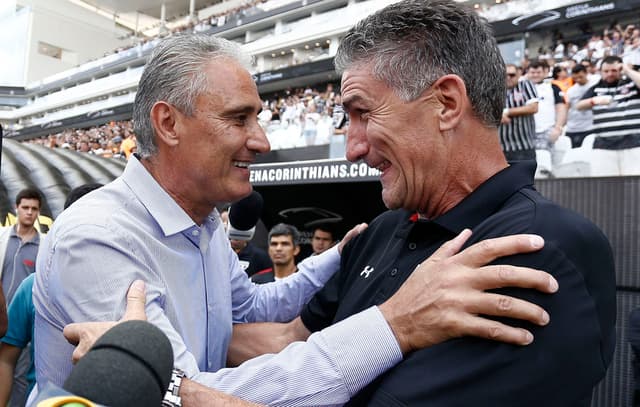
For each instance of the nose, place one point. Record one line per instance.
(357, 144)
(258, 141)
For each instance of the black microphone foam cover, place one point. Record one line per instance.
(130, 365)
(244, 214)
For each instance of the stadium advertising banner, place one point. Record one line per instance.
(562, 16)
(312, 172)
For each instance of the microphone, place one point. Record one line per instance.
(244, 215)
(130, 365)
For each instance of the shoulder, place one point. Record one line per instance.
(263, 276)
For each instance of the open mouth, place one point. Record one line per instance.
(383, 166)
(241, 164)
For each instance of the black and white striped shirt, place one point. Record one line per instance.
(519, 134)
(616, 125)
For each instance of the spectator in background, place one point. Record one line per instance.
(614, 100)
(561, 79)
(632, 53)
(284, 246)
(552, 110)
(18, 251)
(579, 122)
(340, 125)
(517, 127)
(128, 145)
(322, 239)
(116, 146)
(311, 118)
(593, 75)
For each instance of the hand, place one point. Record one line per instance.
(355, 231)
(445, 295)
(505, 117)
(85, 334)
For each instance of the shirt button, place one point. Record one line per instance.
(412, 246)
(394, 272)
(195, 232)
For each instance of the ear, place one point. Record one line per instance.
(451, 92)
(296, 251)
(164, 121)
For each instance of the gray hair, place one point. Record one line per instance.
(283, 229)
(175, 74)
(412, 43)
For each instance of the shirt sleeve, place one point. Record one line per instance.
(282, 300)
(326, 370)
(529, 91)
(558, 95)
(589, 93)
(20, 315)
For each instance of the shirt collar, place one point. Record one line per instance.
(488, 197)
(14, 233)
(167, 213)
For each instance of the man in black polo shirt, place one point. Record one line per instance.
(423, 82)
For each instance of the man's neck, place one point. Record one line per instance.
(282, 271)
(172, 184)
(25, 233)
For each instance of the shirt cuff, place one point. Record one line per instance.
(364, 347)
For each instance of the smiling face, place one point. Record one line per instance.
(401, 139)
(220, 139)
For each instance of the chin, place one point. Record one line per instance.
(390, 202)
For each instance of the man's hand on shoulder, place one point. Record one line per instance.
(355, 231)
(85, 334)
(446, 295)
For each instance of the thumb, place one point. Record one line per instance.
(136, 299)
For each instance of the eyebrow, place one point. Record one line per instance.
(241, 110)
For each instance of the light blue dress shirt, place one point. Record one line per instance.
(132, 229)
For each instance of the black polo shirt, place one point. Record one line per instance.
(568, 356)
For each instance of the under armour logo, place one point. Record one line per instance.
(366, 271)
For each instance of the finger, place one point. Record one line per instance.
(136, 300)
(452, 246)
(503, 275)
(498, 305)
(356, 230)
(82, 349)
(488, 250)
(496, 331)
(71, 333)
